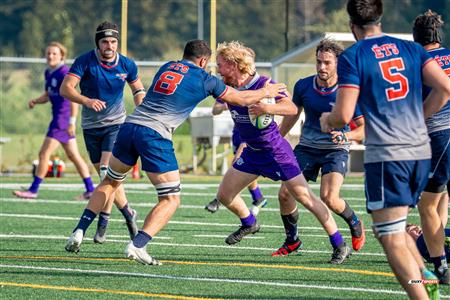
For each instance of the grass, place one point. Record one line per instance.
(197, 264)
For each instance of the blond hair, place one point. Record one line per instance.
(61, 47)
(242, 56)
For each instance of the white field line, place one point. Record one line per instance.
(183, 206)
(210, 279)
(230, 248)
(48, 217)
(148, 186)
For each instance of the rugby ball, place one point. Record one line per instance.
(263, 120)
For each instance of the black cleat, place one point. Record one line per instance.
(100, 235)
(237, 236)
(213, 206)
(444, 277)
(340, 254)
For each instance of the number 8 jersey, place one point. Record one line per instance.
(388, 73)
(177, 88)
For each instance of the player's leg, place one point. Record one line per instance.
(99, 200)
(389, 228)
(232, 184)
(73, 155)
(289, 217)
(160, 164)
(258, 200)
(109, 137)
(443, 207)
(330, 186)
(432, 225)
(48, 147)
(300, 190)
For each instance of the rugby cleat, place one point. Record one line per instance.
(25, 194)
(74, 241)
(257, 205)
(213, 206)
(237, 236)
(340, 254)
(358, 236)
(100, 235)
(444, 277)
(132, 225)
(140, 255)
(287, 249)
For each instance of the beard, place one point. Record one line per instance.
(108, 54)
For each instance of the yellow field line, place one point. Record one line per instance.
(269, 266)
(118, 292)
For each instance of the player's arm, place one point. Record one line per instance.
(435, 77)
(289, 121)
(343, 110)
(246, 98)
(39, 100)
(356, 134)
(138, 90)
(73, 118)
(283, 107)
(218, 108)
(68, 90)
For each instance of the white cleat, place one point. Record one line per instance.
(140, 255)
(74, 241)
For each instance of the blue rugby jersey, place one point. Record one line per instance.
(388, 73)
(440, 120)
(177, 88)
(104, 82)
(316, 100)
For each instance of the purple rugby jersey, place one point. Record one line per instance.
(60, 106)
(267, 153)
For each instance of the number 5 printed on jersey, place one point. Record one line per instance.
(167, 83)
(390, 70)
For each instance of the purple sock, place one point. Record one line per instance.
(88, 184)
(86, 220)
(141, 239)
(126, 212)
(103, 219)
(256, 193)
(248, 221)
(34, 188)
(336, 240)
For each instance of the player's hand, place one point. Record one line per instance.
(275, 89)
(324, 122)
(338, 137)
(31, 104)
(257, 109)
(71, 129)
(96, 105)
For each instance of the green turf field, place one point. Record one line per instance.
(197, 264)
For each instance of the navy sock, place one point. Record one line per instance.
(86, 220)
(256, 193)
(126, 212)
(349, 216)
(290, 226)
(248, 221)
(440, 263)
(103, 219)
(88, 184)
(141, 239)
(34, 188)
(336, 240)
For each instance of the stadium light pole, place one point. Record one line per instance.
(200, 18)
(213, 36)
(124, 28)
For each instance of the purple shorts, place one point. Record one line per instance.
(58, 134)
(277, 163)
